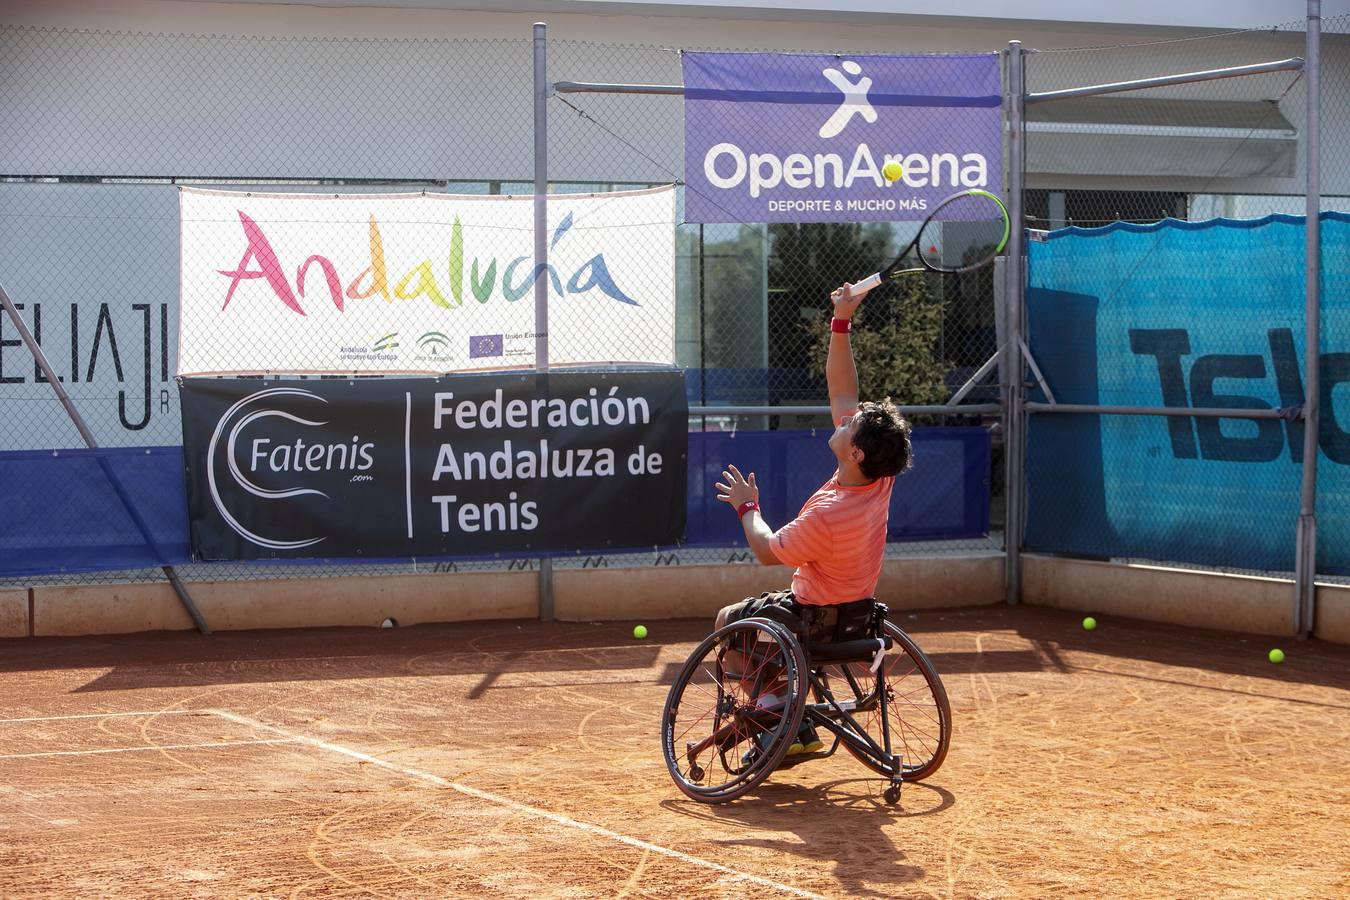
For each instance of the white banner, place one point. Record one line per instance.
(421, 283)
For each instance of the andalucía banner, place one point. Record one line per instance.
(421, 283)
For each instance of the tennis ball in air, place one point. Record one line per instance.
(639, 631)
(892, 171)
(1089, 623)
(1277, 655)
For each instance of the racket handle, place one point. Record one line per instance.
(868, 283)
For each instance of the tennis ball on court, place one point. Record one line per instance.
(1276, 655)
(639, 631)
(892, 171)
(1089, 623)
(389, 623)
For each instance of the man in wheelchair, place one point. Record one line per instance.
(838, 540)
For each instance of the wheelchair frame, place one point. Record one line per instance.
(775, 656)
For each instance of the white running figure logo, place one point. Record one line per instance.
(855, 99)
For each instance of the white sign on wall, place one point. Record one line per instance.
(421, 283)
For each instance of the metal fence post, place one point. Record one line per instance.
(1014, 414)
(541, 281)
(88, 437)
(1305, 564)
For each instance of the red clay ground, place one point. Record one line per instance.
(504, 759)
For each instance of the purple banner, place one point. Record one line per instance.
(804, 137)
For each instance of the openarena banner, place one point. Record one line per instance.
(421, 283)
(778, 137)
(1187, 314)
(455, 466)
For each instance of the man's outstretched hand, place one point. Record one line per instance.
(735, 489)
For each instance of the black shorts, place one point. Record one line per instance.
(841, 622)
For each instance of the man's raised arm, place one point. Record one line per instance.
(841, 376)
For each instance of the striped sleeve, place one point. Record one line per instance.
(805, 539)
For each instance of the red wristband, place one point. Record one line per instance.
(746, 507)
(841, 326)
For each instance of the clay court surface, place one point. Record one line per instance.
(523, 759)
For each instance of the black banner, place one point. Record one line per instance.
(459, 465)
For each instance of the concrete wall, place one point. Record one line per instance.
(684, 591)
(1181, 596)
(1178, 596)
(13, 614)
(307, 603)
(1332, 622)
(579, 595)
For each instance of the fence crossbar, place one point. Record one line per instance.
(1294, 63)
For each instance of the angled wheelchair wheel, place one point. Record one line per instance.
(733, 710)
(910, 696)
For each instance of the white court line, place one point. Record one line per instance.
(143, 749)
(515, 805)
(111, 715)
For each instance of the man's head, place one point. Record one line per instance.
(876, 438)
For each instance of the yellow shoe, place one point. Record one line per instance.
(808, 741)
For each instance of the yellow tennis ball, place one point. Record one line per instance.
(1089, 623)
(892, 171)
(639, 631)
(1277, 655)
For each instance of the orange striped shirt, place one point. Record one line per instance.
(837, 542)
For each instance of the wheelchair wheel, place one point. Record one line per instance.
(720, 732)
(915, 705)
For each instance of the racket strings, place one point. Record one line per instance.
(965, 232)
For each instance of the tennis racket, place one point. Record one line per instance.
(963, 233)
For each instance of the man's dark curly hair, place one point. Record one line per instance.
(883, 437)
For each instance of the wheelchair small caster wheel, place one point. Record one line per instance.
(892, 795)
(696, 773)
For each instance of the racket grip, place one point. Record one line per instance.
(868, 283)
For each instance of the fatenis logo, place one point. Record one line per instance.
(259, 444)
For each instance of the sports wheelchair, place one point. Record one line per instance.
(746, 690)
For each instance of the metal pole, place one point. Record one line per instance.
(973, 409)
(541, 279)
(1282, 65)
(702, 327)
(33, 347)
(1014, 434)
(1199, 412)
(1305, 560)
(595, 87)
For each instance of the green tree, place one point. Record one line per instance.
(895, 343)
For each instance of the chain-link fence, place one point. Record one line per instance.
(1335, 322)
(89, 213)
(89, 208)
(1210, 315)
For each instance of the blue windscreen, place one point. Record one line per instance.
(100, 510)
(92, 510)
(1187, 314)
